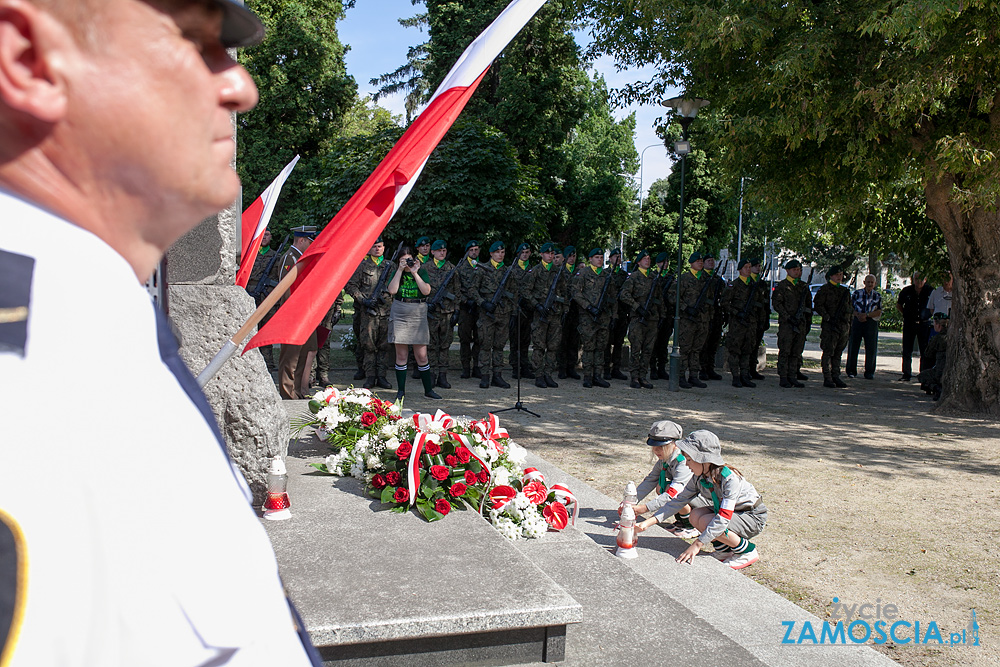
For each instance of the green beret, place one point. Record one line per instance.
(595, 251)
(497, 246)
(695, 256)
(569, 250)
(547, 247)
(707, 254)
(743, 262)
(615, 251)
(642, 253)
(834, 270)
(521, 248)
(755, 261)
(557, 250)
(423, 240)
(439, 245)
(662, 257)
(471, 244)
(793, 264)
(378, 240)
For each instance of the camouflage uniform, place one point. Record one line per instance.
(667, 289)
(833, 304)
(619, 324)
(293, 358)
(468, 316)
(716, 320)
(694, 321)
(740, 302)
(587, 288)
(788, 295)
(763, 318)
(520, 324)
(641, 334)
(373, 327)
(493, 327)
(268, 284)
(546, 333)
(569, 347)
(439, 317)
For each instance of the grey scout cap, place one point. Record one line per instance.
(702, 446)
(240, 26)
(662, 432)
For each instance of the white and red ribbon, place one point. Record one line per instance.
(566, 497)
(413, 467)
(532, 475)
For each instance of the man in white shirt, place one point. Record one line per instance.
(940, 299)
(126, 535)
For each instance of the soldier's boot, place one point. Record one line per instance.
(540, 382)
(571, 373)
(702, 375)
(484, 382)
(587, 384)
(799, 375)
(645, 384)
(634, 384)
(840, 384)
(695, 382)
(754, 375)
(360, 374)
(653, 373)
(477, 372)
(712, 375)
(498, 381)
(784, 383)
(442, 381)
(382, 383)
(795, 383)
(747, 379)
(465, 373)
(369, 382)
(616, 374)
(662, 372)
(600, 382)
(549, 382)
(607, 373)
(561, 374)
(736, 380)
(683, 383)
(828, 378)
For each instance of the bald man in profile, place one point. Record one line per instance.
(126, 534)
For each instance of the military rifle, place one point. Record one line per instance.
(264, 281)
(551, 297)
(490, 306)
(751, 295)
(797, 318)
(649, 297)
(692, 311)
(604, 290)
(383, 278)
(442, 291)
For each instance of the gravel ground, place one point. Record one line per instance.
(871, 496)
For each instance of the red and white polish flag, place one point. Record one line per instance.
(254, 222)
(322, 275)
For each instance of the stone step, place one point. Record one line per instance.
(651, 609)
(378, 588)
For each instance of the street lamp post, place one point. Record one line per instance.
(685, 109)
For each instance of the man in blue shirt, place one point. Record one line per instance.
(867, 304)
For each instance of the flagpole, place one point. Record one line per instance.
(232, 345)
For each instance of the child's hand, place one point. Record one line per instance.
(643, 525)
(688, 554)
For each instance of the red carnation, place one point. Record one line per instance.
(463, 454)
(404, 449)
(442, 506)
(451, 460)
(483, 477)
(401, 495)
(378, 481)
(379, 410)
(368, 418)
(457, 489)
(536, 492)
(556, 515)
(432, 448)
(470, 477)
(392, 478)
(440, 473)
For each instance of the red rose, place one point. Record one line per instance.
(457, 489)
(432, 448)
(451, 460)
(404, 449)
(536, 492)
(392, 478)
(556, 515)
(463, 454)
(440, 473)
(470, 477)
(368, 418)
(483, 477)
(442, 506)
(401, 495)
(378, 481)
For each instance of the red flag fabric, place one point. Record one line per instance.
(255, 220)
(322, 275)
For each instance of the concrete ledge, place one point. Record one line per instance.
(371, 583)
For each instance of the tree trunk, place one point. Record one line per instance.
(875, 268)
(972, 374)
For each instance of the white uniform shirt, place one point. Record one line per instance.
(141, 546)
(939, 301)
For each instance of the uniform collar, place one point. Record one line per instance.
(440, 264)
(597, 270)
(696, 274)
(377, 260)
(548, 267)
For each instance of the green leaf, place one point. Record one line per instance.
(321, 467)
(387, 494)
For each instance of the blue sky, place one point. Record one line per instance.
(379, 45)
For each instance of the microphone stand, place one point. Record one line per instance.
(519, 406)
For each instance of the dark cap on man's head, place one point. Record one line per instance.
(834, 270)
(569, 250)
(547, 247)
(423, 240)
(240, 26)
(471, 244)
(440, 244)
(642, 253)
(793, 264)
(521, 248)
(305, 231)
(595, 251)
(498, 245)
(695, 256)
(661, 257)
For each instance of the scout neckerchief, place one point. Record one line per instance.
(696, 274)
(440, 264)
(523, 263)
(496, 265)
(548, 267)
(378, 260)
(596, 269)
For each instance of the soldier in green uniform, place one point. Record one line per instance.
(694, 321)
(520, 321)
(595, 315)
(833, 304)
(439, 314)
(373, 311)
(763, 312)
(494, 316)
(619, 319)
(793, 303)
(716, 319)
(468, 312)
(547, 295)
(294, 361)
(569, 348)
(638, 295)
(423, 248)
(740, 303)
(660, 353)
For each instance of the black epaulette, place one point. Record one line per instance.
(16, 272)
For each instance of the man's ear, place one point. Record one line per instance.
(29, 39)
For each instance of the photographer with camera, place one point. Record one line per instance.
(409, 287)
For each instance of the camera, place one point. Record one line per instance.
(411, 262)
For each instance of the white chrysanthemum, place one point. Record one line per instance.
(522, 501)
(433, 437)
(388, 429)
(508, 529)
(331, 416)
(363, 445)
(514, 512)
(533, 526)
(501, 477)
(373, 462)
(358, 469)
(477, 438)
(516, 453)
(357, 400)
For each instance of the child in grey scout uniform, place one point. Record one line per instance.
(669, 476)
(726, 508)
